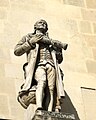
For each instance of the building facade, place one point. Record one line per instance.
(70, 21)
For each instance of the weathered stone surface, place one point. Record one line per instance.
(91, 4)
(10, 36)
(94, 27)
(20, 16)
(26, 2)
(17, 112)
(89, 98)
(31, 5)
(68, 11)
(69, 27)
(1, 26)
(79, 48)
(4, 3)
(88, 14)
(4, 53)
(7, 86)
(4, 108)
(90, 40)
(91, 66)
(2, 71)
(3, 13)
(13, 71)
(75, 2)
(85, 27)
(8, 42)
(76, 79)
(94, 53)
(75, 66)
(87, 52)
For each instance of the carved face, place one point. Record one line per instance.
(41, 25)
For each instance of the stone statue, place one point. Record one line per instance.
(43, 77)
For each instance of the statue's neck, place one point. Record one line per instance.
(39, 32)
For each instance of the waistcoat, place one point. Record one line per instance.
(44, 55)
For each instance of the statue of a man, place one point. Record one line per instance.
(42, 72)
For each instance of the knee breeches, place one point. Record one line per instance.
(45, 74)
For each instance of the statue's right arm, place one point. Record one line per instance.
(23, 46)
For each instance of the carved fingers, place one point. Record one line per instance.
(36, 38)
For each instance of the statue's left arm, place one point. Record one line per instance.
(59, 55)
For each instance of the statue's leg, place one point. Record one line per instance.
(40, 76)
(51, 84)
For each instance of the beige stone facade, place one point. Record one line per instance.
(70, 21)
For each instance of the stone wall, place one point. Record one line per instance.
(70, 21)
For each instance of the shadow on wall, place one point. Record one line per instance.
(68, 107)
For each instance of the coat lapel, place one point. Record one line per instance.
(59, 84)
(30, 68)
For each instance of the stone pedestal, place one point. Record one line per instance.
(46, 115)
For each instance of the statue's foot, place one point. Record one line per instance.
(57, 110)
(39, 108)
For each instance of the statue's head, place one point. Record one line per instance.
(41, 25)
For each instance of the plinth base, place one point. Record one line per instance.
(46, 115)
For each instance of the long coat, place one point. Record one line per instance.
(32, 53)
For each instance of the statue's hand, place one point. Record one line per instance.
(59, 44)
(36, 38)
